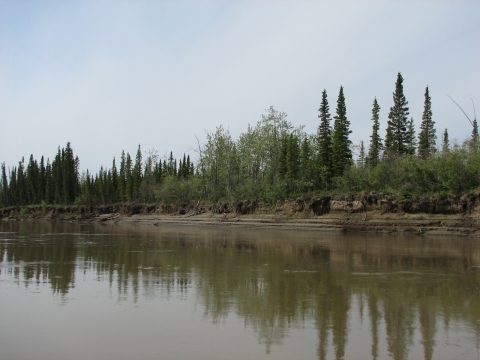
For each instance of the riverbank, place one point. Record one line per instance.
(392, 223)
(458, 215)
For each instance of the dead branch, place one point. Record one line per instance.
(462, 109)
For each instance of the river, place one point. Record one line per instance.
(93, 291)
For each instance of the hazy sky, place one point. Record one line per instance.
(109, 75)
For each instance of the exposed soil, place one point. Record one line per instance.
(447, 215)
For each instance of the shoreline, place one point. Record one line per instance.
(375, 222)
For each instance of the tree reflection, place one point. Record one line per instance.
(275, 282)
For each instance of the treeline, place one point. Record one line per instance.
(35, 183)
(270, 161)
(61, 183)
(275, 160)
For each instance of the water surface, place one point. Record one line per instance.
(70, 291)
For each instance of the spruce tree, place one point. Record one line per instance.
(445, 141)
(91, 189)
(101, 185)
(475, 130)
(42, 180)
(13, 187)
(21, 184)
(388, 140)
(324, 142)
(31, 178)
(114, 181)
(110, 192)
(184, 167)
(305, 160)
(158, 172)
(341, 152)
(427, 137)
(187, 171)
(180, 169)
(87, 189)
(49, 183)
(137, 173)
(395, 141)
(376, 147)
(165, 168)
(410, 140)
(76, 176)
(361, 161)
(69, 175)
(171, 164)
(57, 175)
(293, 152)
(129, 178)
(5, 188)
(122, 179)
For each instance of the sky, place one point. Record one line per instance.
(107, 76)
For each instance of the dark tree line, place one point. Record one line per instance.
(271, 160)
(56, 183)
(61, 182)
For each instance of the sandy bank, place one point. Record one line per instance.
(419, 224)
(394, 223)
(449, 215)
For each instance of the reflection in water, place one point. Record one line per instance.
(403, 290)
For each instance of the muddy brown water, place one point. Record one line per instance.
(72, 291)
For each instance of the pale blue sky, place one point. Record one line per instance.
(109, 75)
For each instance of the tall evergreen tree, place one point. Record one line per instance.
(188, 167)
(109, 186)
(31, 179)
(76, 176)
(306, 160)
(324, 142)
(361, 161)
(122, 179)
(445, 141)
(475, 130)
(395, 141)
(42, 180)
(137, 173)
(101, 185)
(5, 188)
(184, 167)
(129, 178)
(192, 169)
(69, 175)
(114, 182)
(341, 152)
(180, 169)
(171, 165)
(410, 140)
(13, 187)
(293, 157)
(57, 177)
(427, 136)
(87, 189)
(376, 147)
(22, 198)
(49, 184)
(158, 172)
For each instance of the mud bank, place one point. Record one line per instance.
(459, 215)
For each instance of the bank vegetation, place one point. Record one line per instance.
(271, 160)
